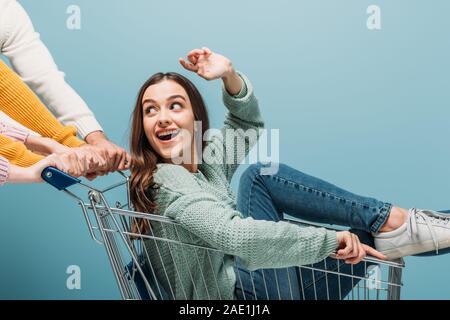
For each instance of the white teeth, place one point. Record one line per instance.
(165, 133)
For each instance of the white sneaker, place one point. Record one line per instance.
(424, 231)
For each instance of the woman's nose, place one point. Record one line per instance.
(164, 120)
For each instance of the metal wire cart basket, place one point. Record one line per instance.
(141, 273)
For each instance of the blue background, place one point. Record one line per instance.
(367, 110)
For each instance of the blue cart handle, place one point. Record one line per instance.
(58, 179)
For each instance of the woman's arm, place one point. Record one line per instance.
(78, 162)
(10, 173)
(243, 122)
(81, 161)
(17, 153)
(13, 132)
(45, 146)
(22, 105)
(21, 44)
(260, 244)
(233, 82)
(39, 145)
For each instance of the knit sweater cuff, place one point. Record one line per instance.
(244, 89)
(86, 125)
(67, 137)
(242, 98)
(73, 142)
(13, 133)
(4, 170)
(331, 243)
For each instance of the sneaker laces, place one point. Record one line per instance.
(430, 219)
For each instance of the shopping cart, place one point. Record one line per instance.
(141, 273)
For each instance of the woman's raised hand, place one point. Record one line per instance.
(207, 64)
(352, 250)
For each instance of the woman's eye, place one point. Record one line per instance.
(175, 106)
(150, 110)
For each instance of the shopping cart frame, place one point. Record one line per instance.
(113, 226)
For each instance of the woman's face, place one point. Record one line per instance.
(168, 119)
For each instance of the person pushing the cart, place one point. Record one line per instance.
(19, 105)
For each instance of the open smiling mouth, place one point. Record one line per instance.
(168, 135)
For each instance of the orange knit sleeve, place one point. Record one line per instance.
(21, 104)
(17, 153)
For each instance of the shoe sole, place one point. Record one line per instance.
(414, 249)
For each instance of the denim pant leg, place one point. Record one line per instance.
(303, 196)
(267, 284)
(255, 199)
(299, 283)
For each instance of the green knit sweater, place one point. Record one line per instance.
(205, 207)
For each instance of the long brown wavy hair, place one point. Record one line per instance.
(144, 158)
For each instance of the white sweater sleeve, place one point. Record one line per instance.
(30, 58)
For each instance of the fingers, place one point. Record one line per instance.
(125, 161)
(193, 58)
(75, 164)
(50, 161)
(95, 160)
(78, 162)
(60, 166)
(121, 164)
(54, 161)
(188, 66)
(117, 157)
(374, 253)
(104, 163)
(99, 163)
(357, 259)
(364, 251)
(353, 251)
(113, 158)
(91, 176)
(207, 51)
(348, 245)
(193, 55)
(356, 245)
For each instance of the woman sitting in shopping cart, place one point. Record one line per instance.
(176, 176)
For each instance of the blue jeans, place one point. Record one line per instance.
(268, 197)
